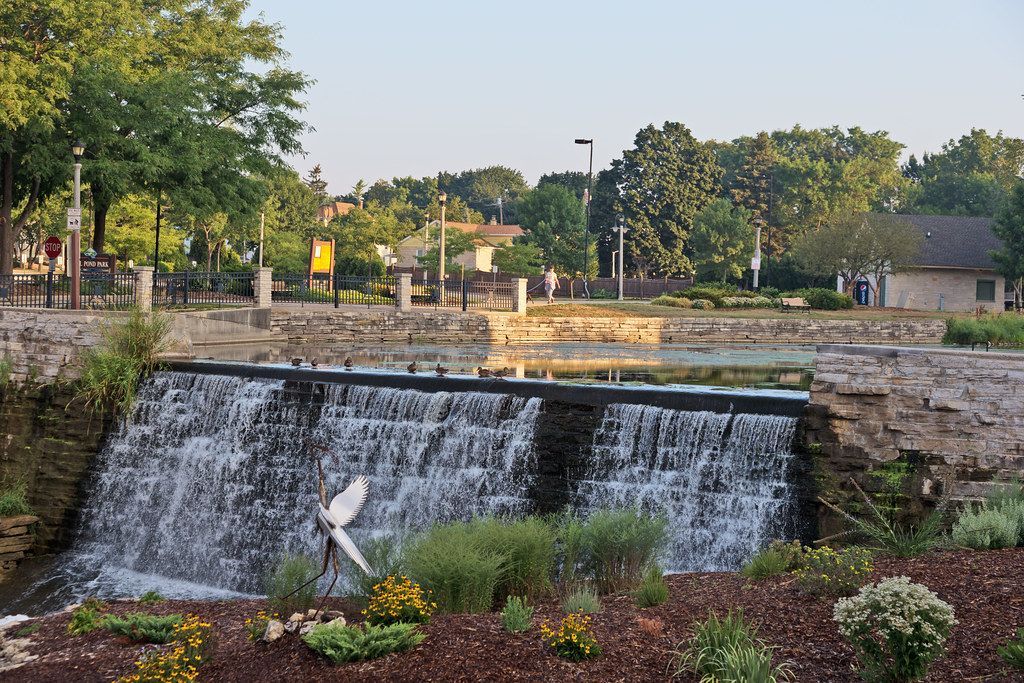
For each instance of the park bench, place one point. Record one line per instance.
(795, 304)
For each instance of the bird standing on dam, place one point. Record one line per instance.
(411, 367)
(348, 363)
(441, 372)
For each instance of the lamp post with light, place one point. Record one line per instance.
(586, 234)
(75, 223)
(442, 198)
(621, 220)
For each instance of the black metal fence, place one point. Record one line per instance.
(202, 288)
(464, 294)
(52, 290)
(337, 290)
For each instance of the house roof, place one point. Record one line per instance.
(955, 241)
(329, 211)
(487, 229)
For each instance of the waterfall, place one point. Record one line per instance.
(722, 480)
(208, 481)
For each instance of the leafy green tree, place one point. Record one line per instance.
(574, 181)
(554, 220)
(317, 185)
(131, 232)
(519, 259)
(1009, 227)
(290, 222)
(481, 188)
(750, 187)
(722, 241)
(456, 243)
(665, 179)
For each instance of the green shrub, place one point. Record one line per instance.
(728, 650)
(14, 500)
(620, 545)
(1008, 498)
(823, 298)
(87, 617)
(1002, 329)
(1013, 651)
(455, 564)
(770, 292)
(831, 572)
(581, 599)
(516, 615)
(897, 628)
(985, 530)
(653, 591)
(291, 572)
(703, 305)
(147, 628)
(528, 549)
(603, 294)
(746, 302)
(26, 631)
(710, 291)
(673, 301)
(355, 644)
(150, 597)
(384, 555)
(768, 562)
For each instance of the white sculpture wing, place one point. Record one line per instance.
(346, 544)
(346, 505)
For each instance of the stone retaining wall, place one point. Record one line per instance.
(379, 325)
(958, 416)
(45, 344)
(15, 540)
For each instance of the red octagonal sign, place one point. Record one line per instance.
(52, 246)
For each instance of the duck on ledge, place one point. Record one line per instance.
(483, 372)
(296, 362)
(411, 367)
(501, 374)
(348, 363)
(441, 372)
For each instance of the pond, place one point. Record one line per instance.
(749, 366)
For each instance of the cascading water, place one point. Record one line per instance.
(722, 480)
(209, 480)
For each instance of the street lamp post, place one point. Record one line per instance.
(755, 262)
(621, 220)
(586, 234)
(442, 198)
(77, 150)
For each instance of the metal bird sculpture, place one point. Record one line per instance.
(330, 520)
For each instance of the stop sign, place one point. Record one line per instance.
(52, 246)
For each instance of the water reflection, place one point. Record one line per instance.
(775, 367)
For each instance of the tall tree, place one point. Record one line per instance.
(317, 185)
(554, 220)
(482, 188)
(751, 187)
(1009, 227)
(666, 179)
(519, 259)
(456, 243)
(574, 181)
(722, 241)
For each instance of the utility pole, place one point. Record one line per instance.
(442, 197)
(755, 262)
(262, 220)
(622, 232)
(75, 224)
(586, 233)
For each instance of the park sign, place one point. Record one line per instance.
(52, 247)
(98, 263)
(74, 220)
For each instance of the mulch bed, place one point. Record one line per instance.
(985, 588)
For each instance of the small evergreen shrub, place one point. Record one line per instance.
(728, 650)
(573, 638)
(834, 572)
(87, 617)
(147, 628)
(703, 305)
(14, 500)
(653, 591)
(897, 628)
(1012, 651)
(150, 597)
(823, 298)
(291, 572)
(985, 530)
(355, 644)
(711, 291)
(398, 600)
(672, 301)
(583, 600)
(516, 616)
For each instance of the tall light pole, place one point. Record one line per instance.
(621, 220)
(77, 150)
(442, 197)
(755, 262)
(586, 234)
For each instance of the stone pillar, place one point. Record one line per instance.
(519, 285)
(403, 291)
(144, 288)
(262, 280)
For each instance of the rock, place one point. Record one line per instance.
(275, 629)
(332, 615)
(297, 617)
(338, 621)
(290, 626)
(312, 614)
(307, 627)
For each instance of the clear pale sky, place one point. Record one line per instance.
(411, 88)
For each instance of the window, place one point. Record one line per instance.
(986, 290)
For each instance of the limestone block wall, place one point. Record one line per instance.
(45, 344)
(15, 540)
(958, 415)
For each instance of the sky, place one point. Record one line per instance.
(412, 88)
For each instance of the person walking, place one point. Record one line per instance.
(550, 283)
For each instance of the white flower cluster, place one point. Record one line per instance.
(896, 606)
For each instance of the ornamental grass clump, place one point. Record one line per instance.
(340, 643)
(147, 628)
(291, 572)
(834, 572)
(457, 566)
(516, 616)
(1012, 651)
(582, 599)
(619, 545)
(728, 649)
(773, 560)
(398, 600)
(985, 529)
(897, 629)
(573, 638)
(653, 591)
(527, 547)
(192, 645)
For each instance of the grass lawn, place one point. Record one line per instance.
(639, 309)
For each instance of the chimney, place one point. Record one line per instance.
(494, 221)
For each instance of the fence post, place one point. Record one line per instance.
(49, 289)
(465, 291)
(519, 294)
(337, 289)
(144, 288)
(185, 295)
(403, 292)
(263, 287)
